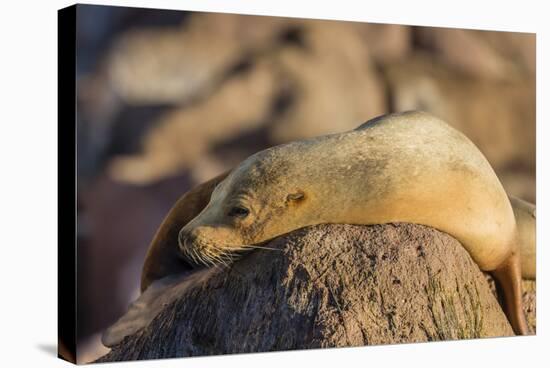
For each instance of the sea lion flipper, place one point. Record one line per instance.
(162, 257)
(508, 278)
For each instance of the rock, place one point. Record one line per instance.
(530, 303)
(324, 286)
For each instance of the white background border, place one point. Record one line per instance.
(28, 177)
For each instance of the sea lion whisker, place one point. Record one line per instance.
(194, 256)
(201, 258)
(227, 255)
(207, 259)
(259, 247)
(221, 260)
(197, 257)
(186, 253)
(219, 256)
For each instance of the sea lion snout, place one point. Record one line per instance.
(190, 247)
(208, 245)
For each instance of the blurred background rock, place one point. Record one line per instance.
(168, 99)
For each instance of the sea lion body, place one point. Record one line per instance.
(409, 167)
(401, 168)
(524, 213)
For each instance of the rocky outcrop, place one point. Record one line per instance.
(325, 286)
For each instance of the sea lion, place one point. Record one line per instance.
(526, 225)
(408, 167)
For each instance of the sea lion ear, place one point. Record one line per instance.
(295, 197)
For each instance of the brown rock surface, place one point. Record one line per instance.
(328, 286)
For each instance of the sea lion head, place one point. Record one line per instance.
(256, 202)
